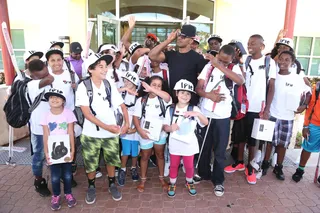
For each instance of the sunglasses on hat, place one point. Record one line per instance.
(152, 39)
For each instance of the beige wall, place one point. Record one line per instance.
(50, 20)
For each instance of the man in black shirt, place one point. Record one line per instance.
(184, 63)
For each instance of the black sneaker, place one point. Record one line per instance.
(42, 188)
(134, 174)
(297, 176)
(265, 166)
(219, 190)
(196, 179)
(279, 173)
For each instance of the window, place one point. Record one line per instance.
(162, 32)
(307, 50)
(17, 37)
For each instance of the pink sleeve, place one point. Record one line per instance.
(71, 118)
(44, 121)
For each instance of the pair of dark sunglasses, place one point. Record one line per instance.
(152, 39)
(183, 36)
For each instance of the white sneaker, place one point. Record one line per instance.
(98, 174)
(257, 157)
(218, 190)
(166, 169)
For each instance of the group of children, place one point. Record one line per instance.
(124, 105)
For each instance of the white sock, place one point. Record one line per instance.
(189, 180)
(173, 180)
(124, 169)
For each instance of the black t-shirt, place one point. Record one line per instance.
(184, 66)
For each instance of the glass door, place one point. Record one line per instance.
(108, 30)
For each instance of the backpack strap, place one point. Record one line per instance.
(165, 75)
(108, 91)
(172, 109)
(267, 65)
(36, 101)
(144, 101)
(228, 81)
(72, 73)
(247, 63)
(298, 64)
(162, 107)
(88, 84)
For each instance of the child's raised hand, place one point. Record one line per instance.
(146, 87)
(174, 127)
(190, 114)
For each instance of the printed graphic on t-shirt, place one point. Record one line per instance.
(60, 126)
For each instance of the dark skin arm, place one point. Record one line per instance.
(156, 54)
(46, 81)
(138, 53)
(266, 112)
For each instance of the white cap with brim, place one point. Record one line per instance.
(59, 43)
(286, 41)
(132, 77)
(109, 47)
(30, 53)
(53, 51)
(184, 85)
(93, 58)
(216, 37)
(54, 92)
(133, 47)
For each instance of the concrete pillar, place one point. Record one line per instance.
(290, 17)
(7, 64)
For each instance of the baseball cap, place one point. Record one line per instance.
(53, 51)
(93, 58)
(197, 39)
(286, 41)
(30, 53)
(216, 37)
(185, 85)
(188, 30)
(75, 47)
(151, 35)
(134, 46)
(132, 77)
(54, 92)
(53, 43)
(108, 47)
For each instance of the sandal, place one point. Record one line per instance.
(140, 187)
(164, 183)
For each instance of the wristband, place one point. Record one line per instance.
(241, 65)
(305, 127)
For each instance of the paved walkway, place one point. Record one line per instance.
(269, 195)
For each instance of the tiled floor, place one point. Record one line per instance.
(269, 195)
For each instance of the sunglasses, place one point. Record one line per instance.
(183, 36)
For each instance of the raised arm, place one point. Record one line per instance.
(156, 53)
(126, 37)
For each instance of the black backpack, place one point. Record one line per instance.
(18, 107)
(88, 84)
(144, 101)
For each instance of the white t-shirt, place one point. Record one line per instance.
(177, 147)
(285, 84)
(222, 109)
(100, 105)
(129, 100)
(256, 83)
(152, 111)
(131, 65)
(63, 82)
(42, 108)
(160, 74)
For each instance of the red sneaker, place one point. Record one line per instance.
(234, 167)
(251, 179)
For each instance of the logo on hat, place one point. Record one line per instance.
(286, 41)
(184, 84)
(132, 76)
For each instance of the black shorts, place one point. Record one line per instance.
(238, 133)
(241, 130)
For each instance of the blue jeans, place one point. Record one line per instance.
(58, 171)
(38, 154)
